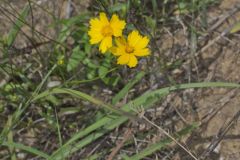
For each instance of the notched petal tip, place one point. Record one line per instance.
(142, 52)
(135, 33)
(102, 14)
(117, 25)
(114, 17)
(103, 18)
(133, 38)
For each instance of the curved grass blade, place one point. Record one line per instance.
(110, 122)
(27, 149)
(83, 96)
(104, 124)
(124, 91)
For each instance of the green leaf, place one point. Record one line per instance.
(102, 71)
(151, 22)
(18, 25)
(91, 73)
(87, 48)
(90, 64)
(76, 57)
(118, 7)
(235, 28)
(124, 91)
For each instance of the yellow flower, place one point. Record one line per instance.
(128, 50)
(60, 62)
(102, 30)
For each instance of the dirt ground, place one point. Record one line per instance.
(215, 108)
(218, 59)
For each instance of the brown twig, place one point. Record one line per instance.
(171, 137)
(220, 135)
(126, 136)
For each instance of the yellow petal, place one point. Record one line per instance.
(121, 41)
(105, 44)
(95, 36)
(142, 52)
(142, 43)
(132, 61)
(133, 38)
(104, 19)
(117, 25)
(120, 48)
(114, 51)
(123, 59)
(120, 51)
(96, 23)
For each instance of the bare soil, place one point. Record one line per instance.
(217, 59)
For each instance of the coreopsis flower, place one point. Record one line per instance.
(102, 30)
(128, 50)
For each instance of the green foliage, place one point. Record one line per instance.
(163, 143)
(76, 57)
(127, 87)
(84, 59)
(186, 6)
(27, 149)
(74, 61)
(111, 121)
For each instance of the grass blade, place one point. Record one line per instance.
(27, 149)
(105, 125)
(23, 106)
(163, 143)
(124, 91)
(18, 25)
(10, 139)
(235, 28)
(110, 122)
(83, 96)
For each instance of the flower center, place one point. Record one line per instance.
(107, 31)
(129, 49)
